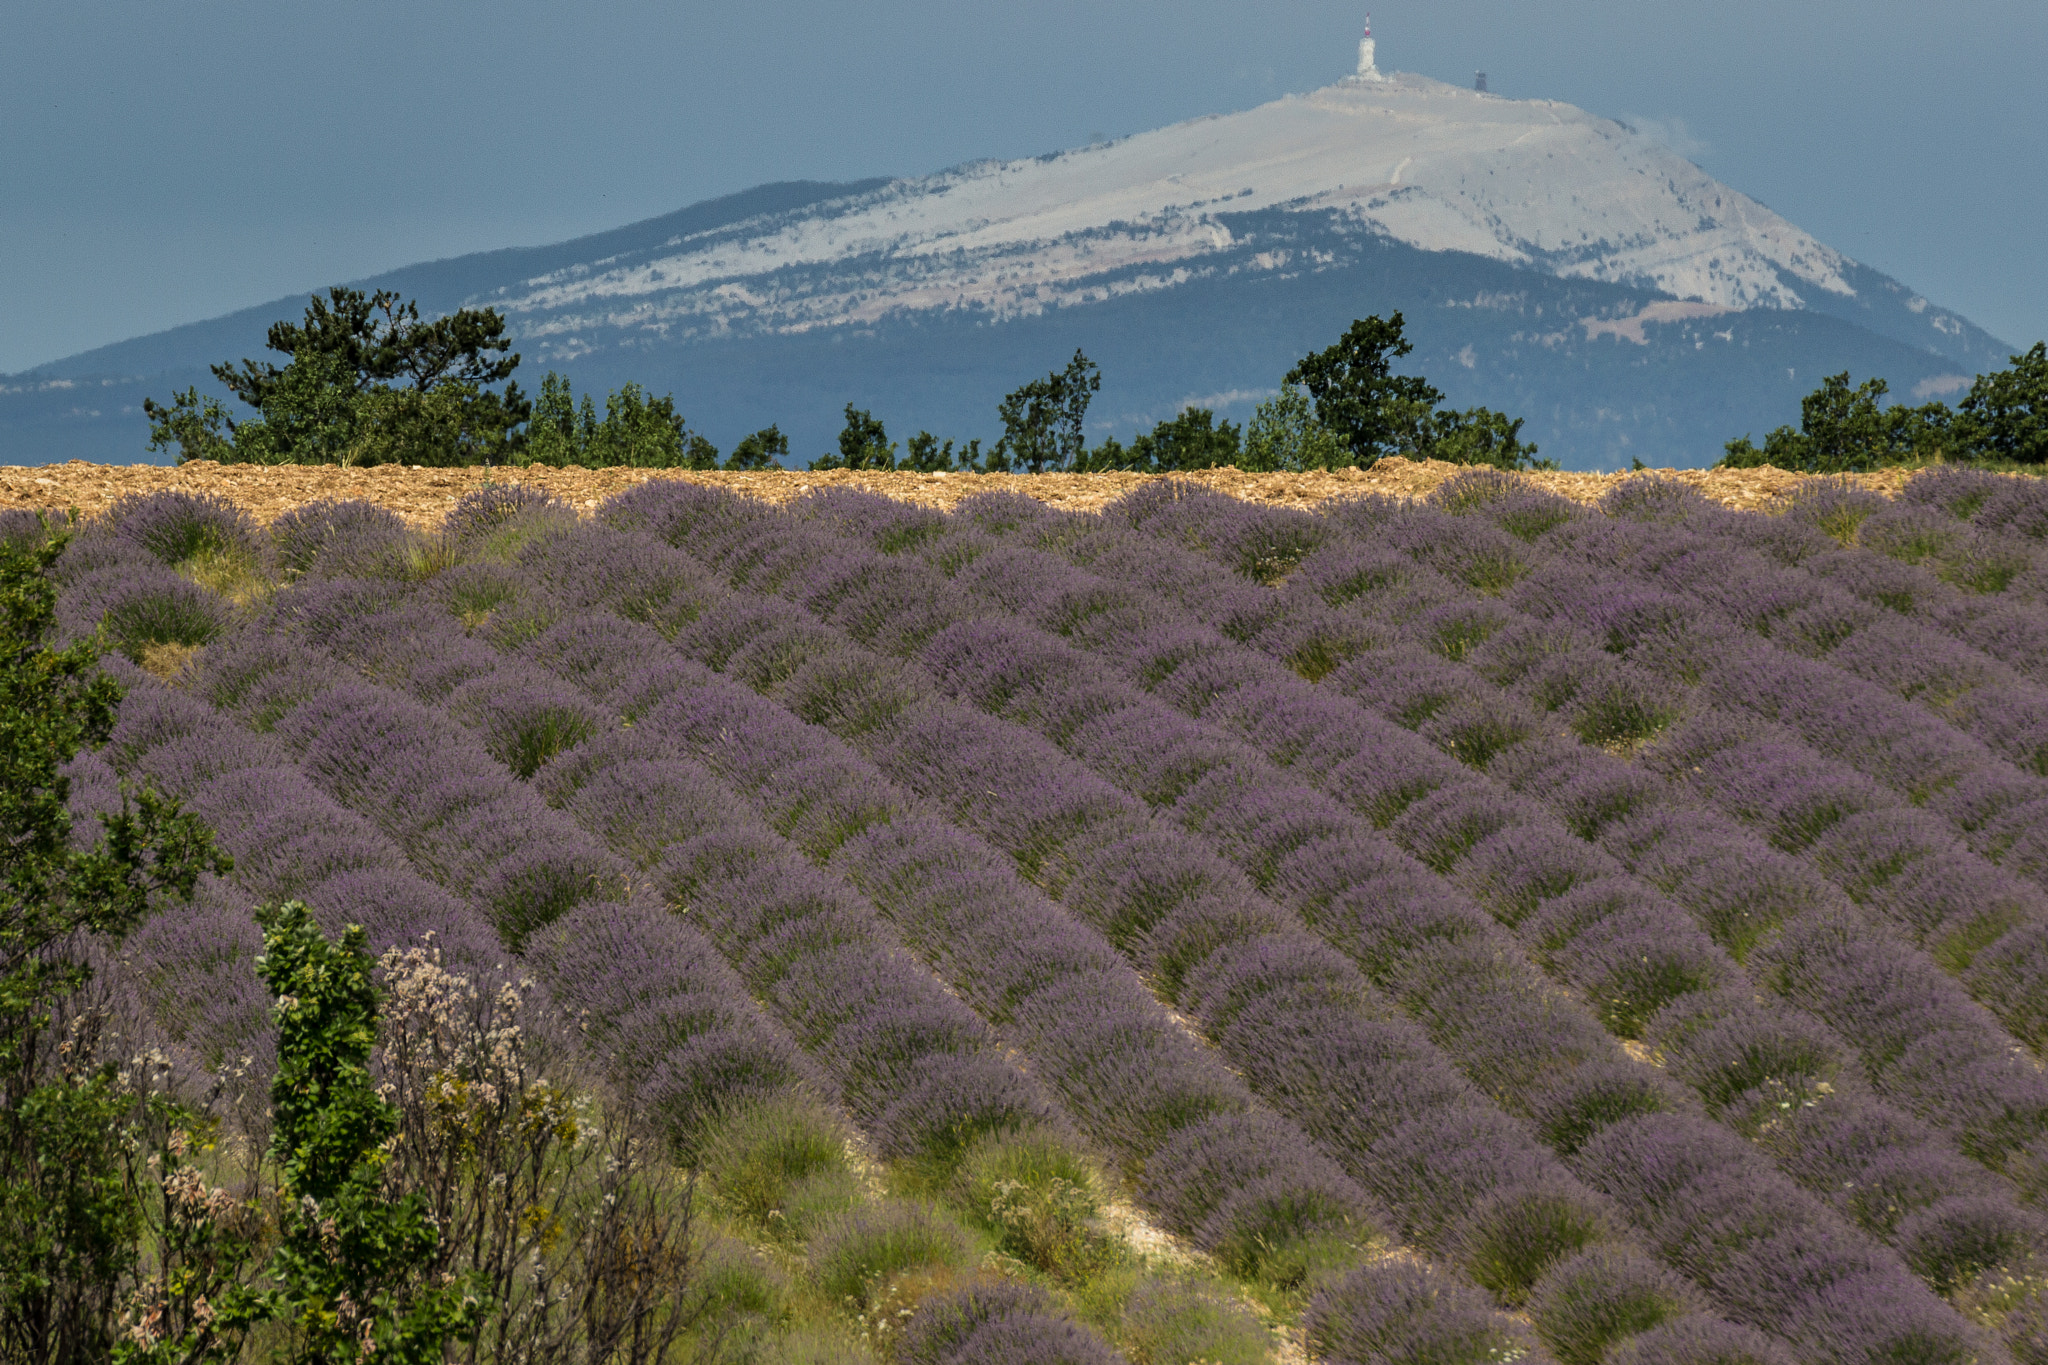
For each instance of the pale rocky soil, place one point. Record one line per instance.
(422, 496)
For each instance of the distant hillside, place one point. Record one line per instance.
(1549, 263)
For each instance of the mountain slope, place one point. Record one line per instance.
(1550, 262)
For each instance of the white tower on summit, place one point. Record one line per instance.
(1366, 70)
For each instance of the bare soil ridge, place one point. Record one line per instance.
(423, 496)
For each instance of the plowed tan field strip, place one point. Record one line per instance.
(422, 496)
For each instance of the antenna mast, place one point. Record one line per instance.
(1367, 71)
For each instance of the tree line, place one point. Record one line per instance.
(2002, 420)
(368, 382)
(1338, 408)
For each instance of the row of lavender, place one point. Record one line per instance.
(1104, 857)
(1224, 1171)
(1404, 669)
(1608, 939)
(1738, 890)
(667, 1013)
(1558, 1076)
(1735, 744)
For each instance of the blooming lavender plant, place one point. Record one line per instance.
(1413, 815)
(1422, 698)
(339, 537)
(931, 748)
(1725, 1078)
(175, 527)
(142, 607)
(995, 1323)
(1407, 1312)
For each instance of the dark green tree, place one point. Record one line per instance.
(379, 339)
(1113, 455)
(924, 454)
(69, 1218)
(762, 450)
(1844, 429)
(554, 436)
(1284, 434)
(1847, 428)
(1482, 436)
(1044, 422)
(2006, 412)
(1358, 396)
(1783, 448)
(644, 432)
(863, 444)
(1191, 439)
(368, 381)
(699, 453)
(637, 431)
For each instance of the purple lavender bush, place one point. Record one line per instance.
(175, 527)
(1604, 1296)
(339, 538)
(1396, 1311)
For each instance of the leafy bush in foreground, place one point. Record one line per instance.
(73, 1124)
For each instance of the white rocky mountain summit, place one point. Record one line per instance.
(1530, 182)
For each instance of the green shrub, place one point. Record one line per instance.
(1040, 1199)
(1170, 1321)
(944, 1323)
(854, 1254)
(780, 1160)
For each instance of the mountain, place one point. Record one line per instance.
(1549, 263)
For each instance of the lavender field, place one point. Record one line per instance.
(1486, 928)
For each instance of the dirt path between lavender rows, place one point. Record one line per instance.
(422, 496)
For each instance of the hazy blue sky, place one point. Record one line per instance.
(161, 163)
